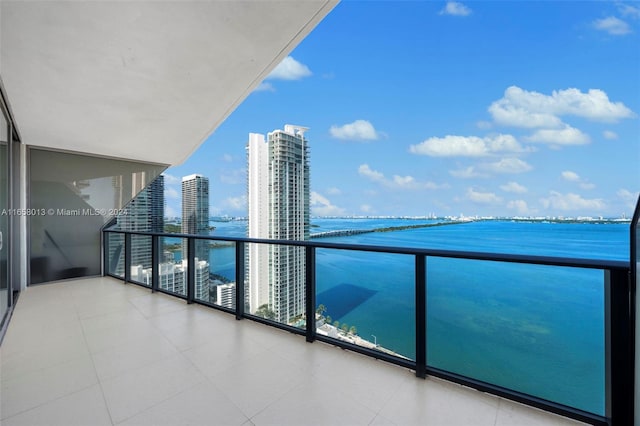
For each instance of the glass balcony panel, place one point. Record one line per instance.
(115, 255)
(531, 328)
(141, 267)
(221, 278)
(635, 246)
(172, 271)
(275, 283)
(369, 299)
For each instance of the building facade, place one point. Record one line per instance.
(278, 203)
(195, 220)
(145, 212)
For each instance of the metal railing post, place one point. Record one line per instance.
(240, 262)
(155, 263)
(421, 316)
(105, 253)
(619, 347)
(127, 258)
(191, 269)
(310, 292)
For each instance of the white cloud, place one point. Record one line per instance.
(334, 191)
(484, 125)
(456, 9)
(570, 201)
(513, 187)
(367, 172)
(629, 198)
(468, 173)
(612, 25)
(233, 177)
(627, 195)
(565, 136)
(466, 146)
(483, 197)
(235, 203)
(366, 208)
(507, 114)
(321, 206)
(404, 180)
(397, 181)
(508, 165)
(171, 179)
(170, 212)
(587, 185)
(265, 86)
(520, 206)
(522, 108)
(227, 158)
(608, 134)
(570, 176)
(171, 193)
(289, 69)
(627, 10)
(358, 130)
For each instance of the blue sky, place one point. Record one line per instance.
(473, 108)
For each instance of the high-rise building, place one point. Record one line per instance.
(226, 295)
(145, 212)
(195, 220)
(278, 202)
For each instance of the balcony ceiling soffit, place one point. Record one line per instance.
(146, 81)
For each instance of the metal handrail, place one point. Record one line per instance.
(456, 254)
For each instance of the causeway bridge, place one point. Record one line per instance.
(340, 233)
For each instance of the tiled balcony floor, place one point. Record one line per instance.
(98, 352)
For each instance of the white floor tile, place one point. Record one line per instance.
(36, 388)
(202, 404)
(151, 304)
(135, 391)
(257, 382)
(132, 355)
(86, 407)
(314, 404)
(435, 402)
(514, 414)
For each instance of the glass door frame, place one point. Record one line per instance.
(11, 166)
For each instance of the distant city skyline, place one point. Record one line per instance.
(451, 108)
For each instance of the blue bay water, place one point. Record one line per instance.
(536, 329)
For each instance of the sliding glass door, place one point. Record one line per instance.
(4, 215)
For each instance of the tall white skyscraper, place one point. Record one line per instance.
(278, 202)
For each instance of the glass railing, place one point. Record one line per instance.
(554, 333)
(114, 254)
(635, 279)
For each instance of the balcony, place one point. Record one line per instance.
(99, 352)
(586, 379)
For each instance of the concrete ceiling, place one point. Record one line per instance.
(142, 80)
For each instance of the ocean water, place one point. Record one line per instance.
(536, 329)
